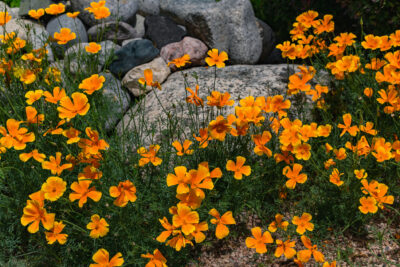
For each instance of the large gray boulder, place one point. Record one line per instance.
(121, 10)
(228, 25)
(75, 25)
(27, 5)
(149, 7)
(239, 80)
(113, 30)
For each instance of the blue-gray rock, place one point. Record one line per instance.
(162, 30)
(139, 26)
(113, 30)
(121, 10)
(131, 55)
(75, 25)
(27, 5)
(228, 25)
(117, 100)
(268, 37)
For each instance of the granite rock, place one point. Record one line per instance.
(116, 31)
(162, 30)
(160, 74)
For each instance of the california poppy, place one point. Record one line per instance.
(221, 221)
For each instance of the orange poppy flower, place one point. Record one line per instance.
(73, 15)
(99, 10)
(278, 223)
(324, 130)
(302, 151)
(55, 9)
(324, 25)
(17, 136)
(288, 50)
(36, 14)
(382, 149)
(238, 167)
(93, 48)
(4, 18)
(193, 198)
(368, 92)
(156, 259)
(56, 235)
(200, 179)
(303, 223)
(102, 258)
(180, 61)
(259, 240)
(194, 98)
(72, 134)
(32, 116)
(98, 226)
(39, 157)
(54, 164)
(345, 39)
(92, 84)
(395, 37)
(305, 255)
(360, 174)
(285, 248)
(385, 43)
(180, 178)
(148, 79)
(219, 127)
(94, 144)
(327, 264)
(183, 149)
(124, 192)
(34, 213)
(198, 234)
(216, 59)
(69, 108)
(33, 96)
(185, 218)
(261, 140)
(219, 100)
(64, 36)
(221, 221)
(371, 42)
(149, 155)
(82, 192)
(334, 178)
(90, 172)
(352, 130)
(328, 163)
(294, 175)
(53, 188)
(58, 94)
(178, 242)
(368, 204)
(169, 230)
(308, 18)
(203, 138)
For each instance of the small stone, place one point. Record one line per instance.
(113, 30)
(162, 30)
(160, 74)
(131, 55)
(195, 48)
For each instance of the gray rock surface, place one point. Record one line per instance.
(75, 25)
(149, 7)
(268, 37)
(228, 25)
(160, 74)
(19, 26)
(118, 31)
(121, 10)
(195, 48)
(162, 30)
(139, 26)
(118, 100)
(239, 80)
(15, 12)
(27, 5)
(38, 37)
(6, 8)
(131, 55)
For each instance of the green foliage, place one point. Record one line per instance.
(12, 3)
